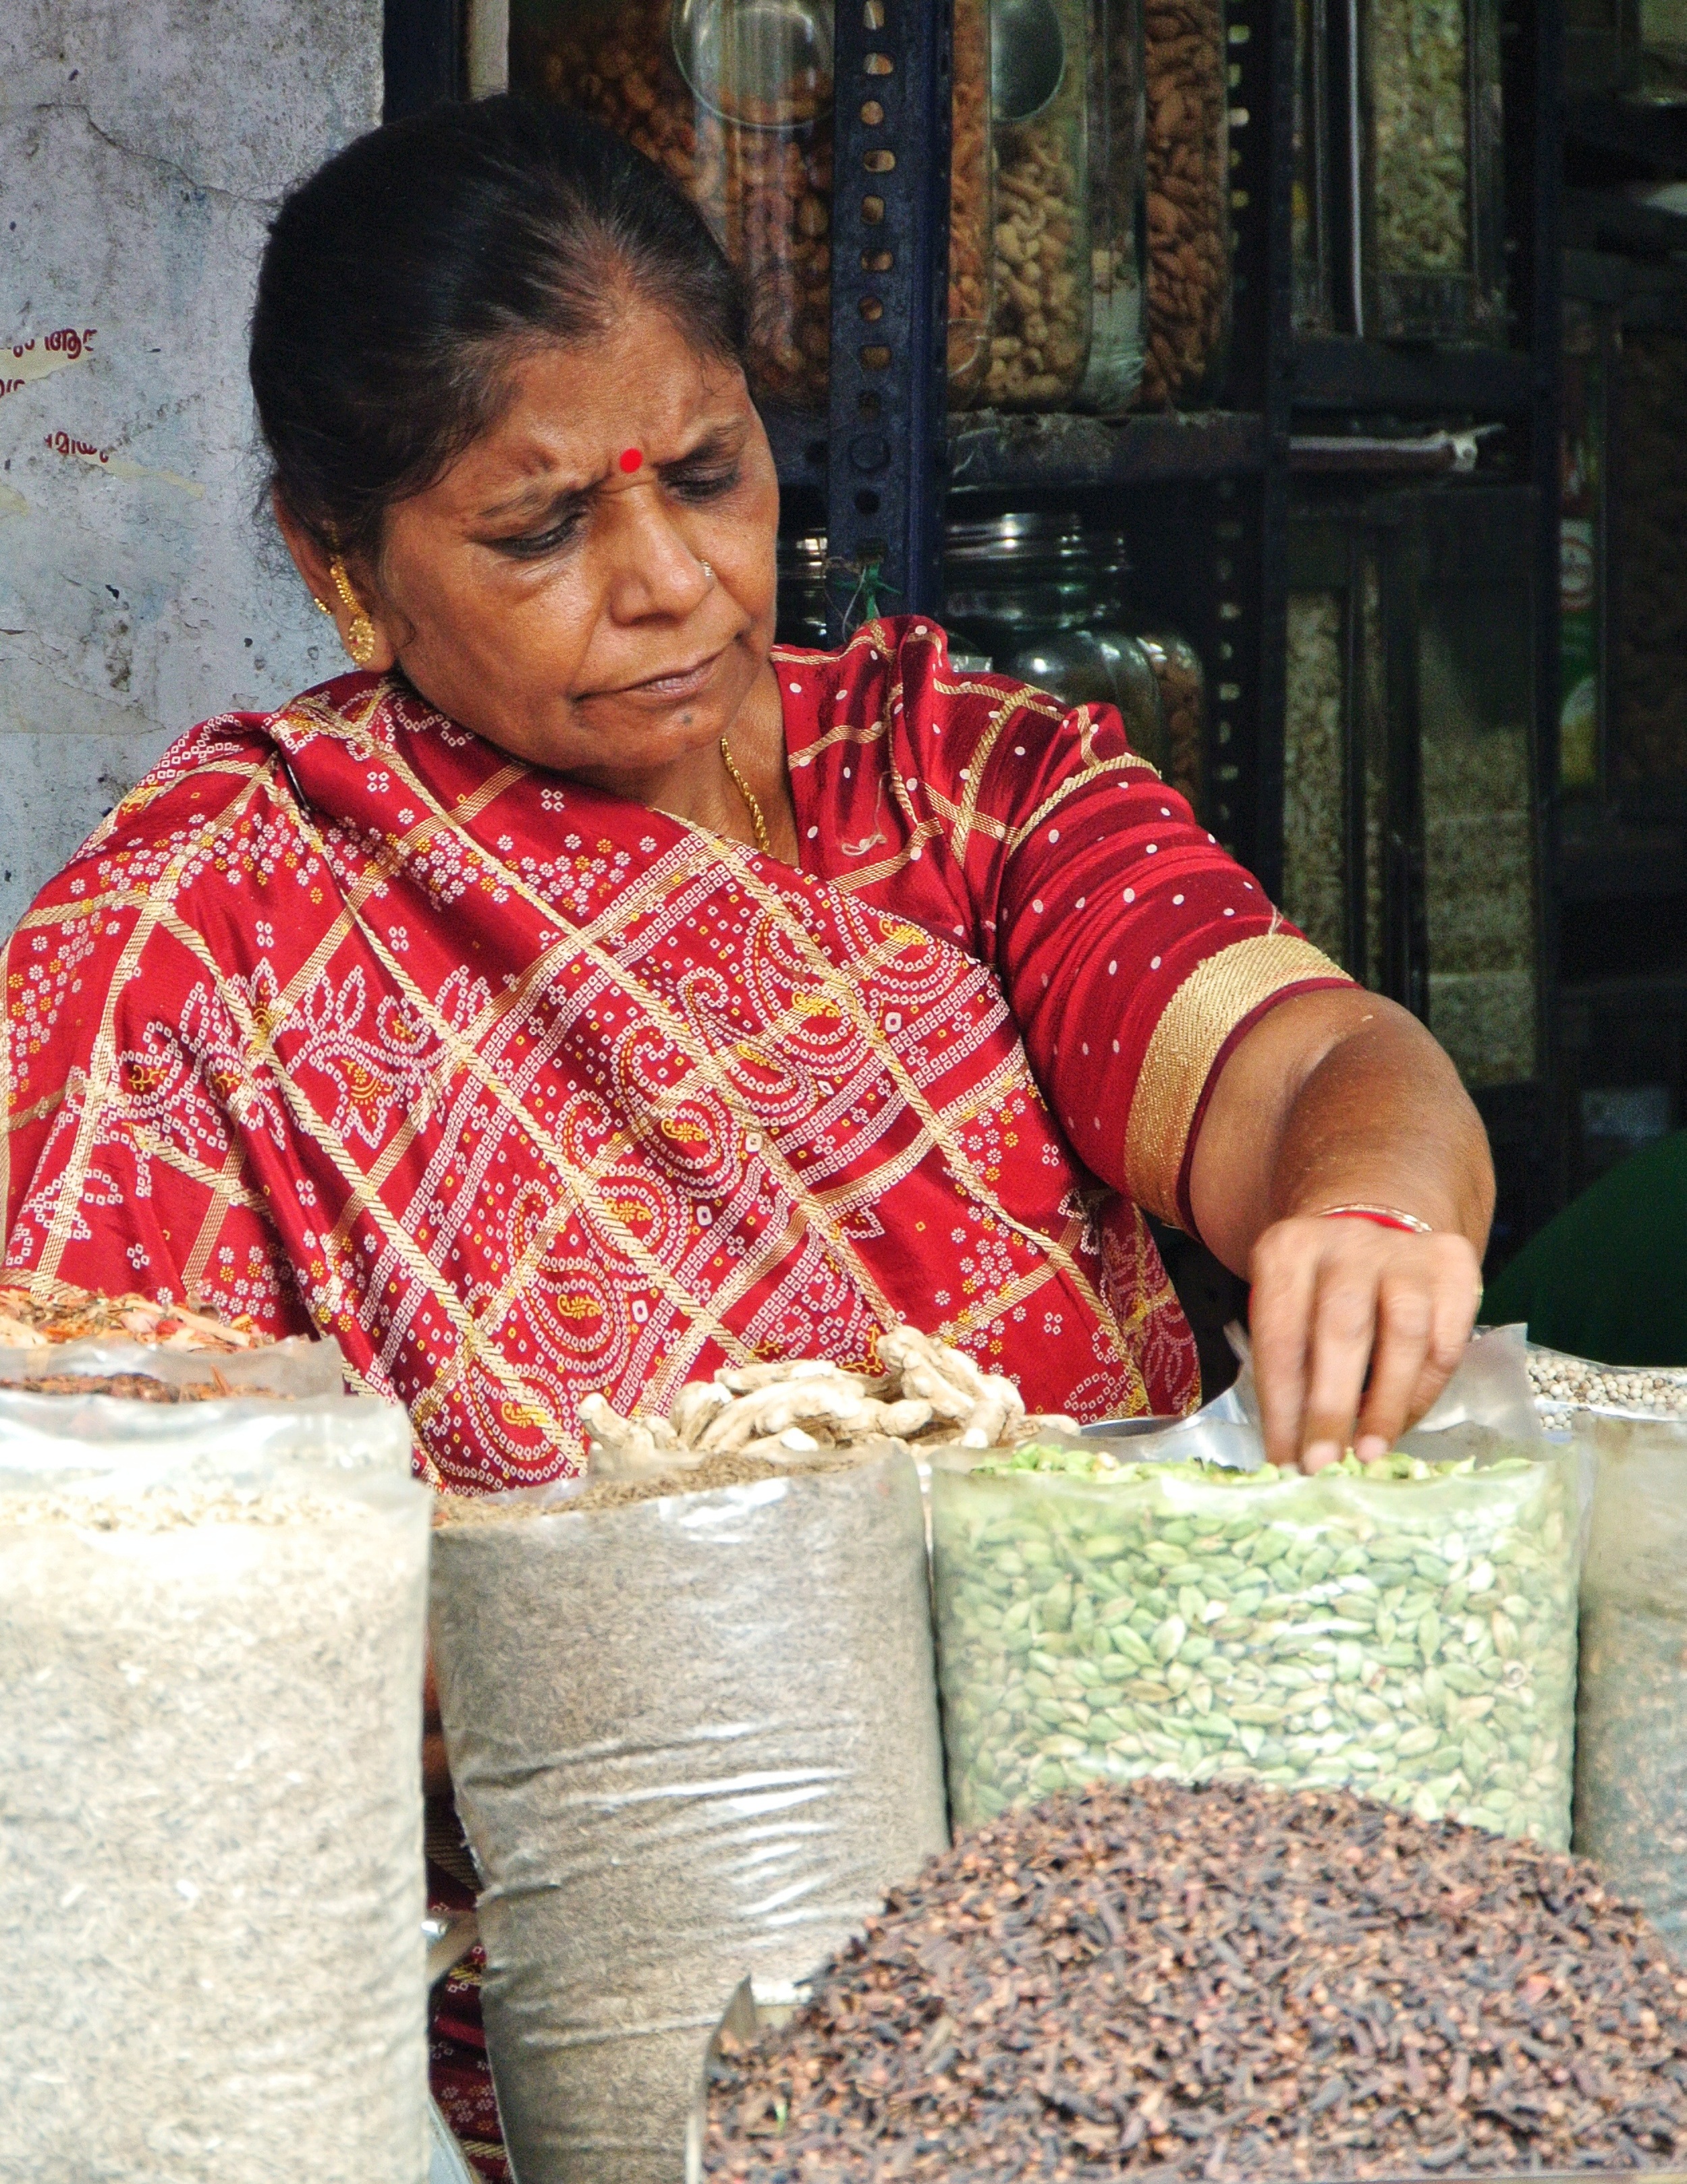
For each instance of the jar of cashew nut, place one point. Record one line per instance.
(1040, 337)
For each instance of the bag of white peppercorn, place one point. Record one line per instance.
(692, 1724)
(211, 1625)
(1631, 1760)
(1407, 1628)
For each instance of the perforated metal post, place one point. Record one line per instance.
(890, 294)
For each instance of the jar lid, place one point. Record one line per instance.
(803, 556)
(1024, 536)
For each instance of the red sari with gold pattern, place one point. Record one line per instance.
(345, 1020)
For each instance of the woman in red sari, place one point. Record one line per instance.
(584, 993)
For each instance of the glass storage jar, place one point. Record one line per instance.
(1040, 335)
(734, 99)
(1187, 176)
(1182, 682)
(1041, 597)
(972, 196)
(1115, 370)
(1432, 220)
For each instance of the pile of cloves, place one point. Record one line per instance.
(1221, 1983)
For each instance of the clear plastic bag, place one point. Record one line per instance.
(693, 1738)
(300, 1365)
(1631, 1760)
(211, 1626)
(1413, 1637)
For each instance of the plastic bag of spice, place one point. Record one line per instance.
(1407, 1628)
(211, 1624)
(694, 1737)
(1631, 1760)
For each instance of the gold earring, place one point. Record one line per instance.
(360, 637)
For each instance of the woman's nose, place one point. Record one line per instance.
(654, 572)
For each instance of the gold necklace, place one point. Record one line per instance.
(762, 843)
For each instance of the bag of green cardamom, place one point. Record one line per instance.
(1407, 1629)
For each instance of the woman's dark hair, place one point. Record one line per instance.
(404, 278)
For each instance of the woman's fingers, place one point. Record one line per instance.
(1279, 1321)
(1342, 1336)
(1356, 1330)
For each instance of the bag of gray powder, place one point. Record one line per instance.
(211, 1894)
(694, 1736)
(1631, 1758)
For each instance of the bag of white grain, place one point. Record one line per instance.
(692, 1726)
(1407, 1629)
(211, 1629)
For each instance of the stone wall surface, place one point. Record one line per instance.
(143, 144)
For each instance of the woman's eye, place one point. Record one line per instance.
(706, 485)
(532, 546)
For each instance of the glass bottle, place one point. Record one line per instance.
(1432, 215)
(1187, 177)
(734, 99)
(1041, 597)
(1040, 335)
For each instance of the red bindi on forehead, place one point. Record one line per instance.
(631, 460)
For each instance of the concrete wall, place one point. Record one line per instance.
(143, 144)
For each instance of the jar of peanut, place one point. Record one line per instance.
(1186, 172)
(1432, 221)
(733, 98)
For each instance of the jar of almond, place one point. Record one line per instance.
(734, 102)
(1187, 174)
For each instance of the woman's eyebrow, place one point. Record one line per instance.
(722, 439)
(540, 495)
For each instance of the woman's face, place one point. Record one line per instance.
(553, 590)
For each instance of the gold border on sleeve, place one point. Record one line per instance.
(1215, 997)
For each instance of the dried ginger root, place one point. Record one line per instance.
(928, 1392)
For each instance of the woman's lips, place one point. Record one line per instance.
(683, 683)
